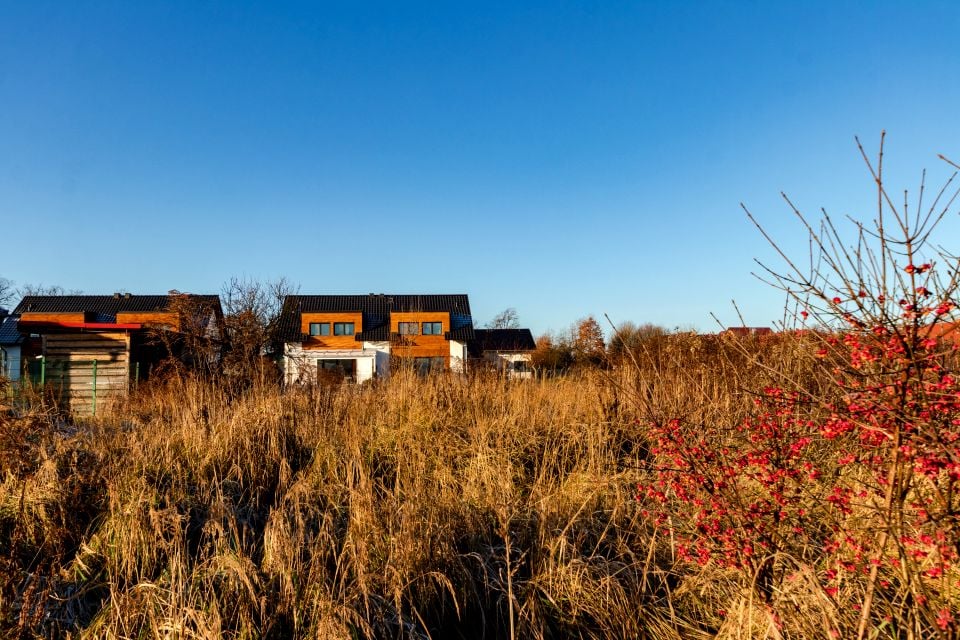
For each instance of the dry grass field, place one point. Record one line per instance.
(438, 507)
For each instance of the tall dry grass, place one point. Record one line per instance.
(441, 507)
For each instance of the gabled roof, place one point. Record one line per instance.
(109, 305)
(8, 331)
(101, 311)
(505, 340)
(376, 310)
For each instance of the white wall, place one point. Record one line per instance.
(504, 361)
(366, 368)
(213, 329)
(300, 365)
(458, 356)
(10, 362)
(382, 350)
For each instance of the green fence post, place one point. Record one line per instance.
(43, 370)
(94, 387)
(136, 376)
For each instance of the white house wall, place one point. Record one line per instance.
(300, 365)
(10, 362)
(382, 356)
(504, 361)
(365, 368)
(458, 356)
(373, 360)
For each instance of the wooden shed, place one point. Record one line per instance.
(87, 351)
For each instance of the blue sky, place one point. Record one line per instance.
(564, 159)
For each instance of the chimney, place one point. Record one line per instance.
(116, 295)
(126, 296)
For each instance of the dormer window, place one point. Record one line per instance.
(343, 328)
(319, 329)
(408, 328)
(432, 328)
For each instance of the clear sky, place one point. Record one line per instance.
(561, 158)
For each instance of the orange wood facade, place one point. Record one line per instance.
(420, 346)
(151, 318)
(56, 317)
(332, 341)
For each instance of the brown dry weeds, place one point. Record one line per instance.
(442, 507)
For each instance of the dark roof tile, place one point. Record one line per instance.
(108, 306)
(502, 340)
(376, 310)
(8, 331)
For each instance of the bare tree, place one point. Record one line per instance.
(190, 339)
(251, 313)
(46, 290)
(7, 290)
(629, 338)
(506, 319)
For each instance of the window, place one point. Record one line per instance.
(319, 328)
(333, 370)
(423, 366)
(343, 328)
(521, 366)
(408, 328)
(432, 328)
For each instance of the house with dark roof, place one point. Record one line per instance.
(10, 341)
(507, 350)
(91, 349)
(359, 337)
(743, 332)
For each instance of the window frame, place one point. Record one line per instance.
(433, 325)
(339, 329)
(408, 325)
(320, 333)
(337, 366)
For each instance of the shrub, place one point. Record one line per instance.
(855, 482)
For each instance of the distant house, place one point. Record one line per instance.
(747, 331)
(10, 341)
(507, 350)
(91, 349)
(359, 337)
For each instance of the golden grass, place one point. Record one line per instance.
(415, 508)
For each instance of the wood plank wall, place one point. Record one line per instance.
(332, 341)
(150, 318)
(420, 346)
(53, 316)
(69, 368)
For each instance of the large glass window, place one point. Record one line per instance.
(319, 328)
(423, 366)
(408, 328)
(432, 328)
(332, 370)
(343, 328)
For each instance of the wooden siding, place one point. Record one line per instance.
(35, 316)
(420, 346)
(70, 368)
(151, 318)
(332, 341)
